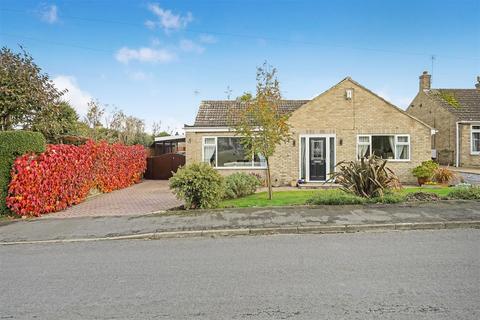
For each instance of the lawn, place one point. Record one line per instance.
(300, 197)
(280, 198)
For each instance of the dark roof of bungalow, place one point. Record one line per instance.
(463, 103)
(222, 113)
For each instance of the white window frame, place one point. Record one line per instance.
(472, 131)
(409, 143)
(216, 155)
(209, 144)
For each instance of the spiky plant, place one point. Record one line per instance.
(366, 178)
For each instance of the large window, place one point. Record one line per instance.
(475, 139)
(392, 147)
(228, 152)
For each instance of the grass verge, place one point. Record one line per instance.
(324, 197)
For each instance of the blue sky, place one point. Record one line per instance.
(158, 59)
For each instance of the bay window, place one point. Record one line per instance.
(391, 147)
(228, 152)
(475, 139)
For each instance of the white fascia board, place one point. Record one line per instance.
(212, 129)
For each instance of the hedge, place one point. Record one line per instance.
(12, 145)
(64, 174)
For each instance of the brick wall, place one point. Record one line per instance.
(423, 108)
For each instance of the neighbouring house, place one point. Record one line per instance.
(344, 123)
(166, 155)
(168, 144)
(455, 114)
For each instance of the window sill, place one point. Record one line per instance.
(475, 153)
(398, 160)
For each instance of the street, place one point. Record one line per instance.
(385, 275)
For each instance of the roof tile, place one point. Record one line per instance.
(467, 106)
(219, 113)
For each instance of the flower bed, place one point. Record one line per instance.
(64, 174)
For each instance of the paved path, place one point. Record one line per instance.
(430, 275)
(470, 175)
(98, 227)
(145, 197)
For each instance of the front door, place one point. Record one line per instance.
(318, 163)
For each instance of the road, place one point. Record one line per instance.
(391, 275)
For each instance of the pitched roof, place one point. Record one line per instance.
(218, 113)
(464, 103)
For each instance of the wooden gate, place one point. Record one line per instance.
(161, 167)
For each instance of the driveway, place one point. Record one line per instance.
(146, 197)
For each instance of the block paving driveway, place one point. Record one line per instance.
(146, 197)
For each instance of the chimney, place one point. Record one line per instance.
(477, 85)
(425, 81)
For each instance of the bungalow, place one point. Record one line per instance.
(455, 113)
(344, 123)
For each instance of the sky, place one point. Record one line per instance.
(157, 60)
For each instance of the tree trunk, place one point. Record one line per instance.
(269, 181)
(6, 123)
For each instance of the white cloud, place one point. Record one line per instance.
(167, 19)
(155, 42)
(49, 14)
(150, 24)
(138, 75)
(78, 98)
(190, 46)
(207, 38)
(144, 54)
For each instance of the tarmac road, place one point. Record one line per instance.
(387, 275)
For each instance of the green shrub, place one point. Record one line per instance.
(425, 170)
(389, 197)
(366, 178)
(334, 197)
(240, 184)
(199, 185)
(465, 193)
(12, 145)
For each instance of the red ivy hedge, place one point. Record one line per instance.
(64, 174)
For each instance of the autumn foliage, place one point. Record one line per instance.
(63, 175)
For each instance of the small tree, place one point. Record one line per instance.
(55, 121)
(260, 124)
(94, 117)
(24, 89)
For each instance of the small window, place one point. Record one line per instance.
(209, 140)
(349, 94)
(363, 147)
(402, 147)
(475, 139)
(210, 151)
